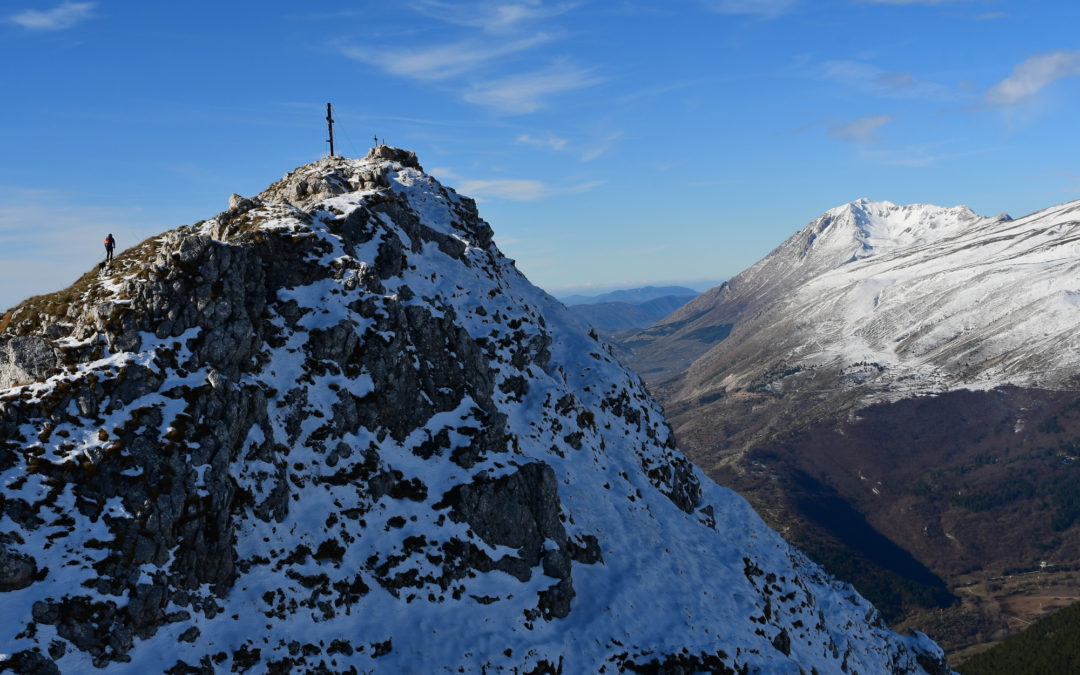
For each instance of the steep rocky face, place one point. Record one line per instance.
(333, 429)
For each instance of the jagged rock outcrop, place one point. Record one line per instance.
(334, 429)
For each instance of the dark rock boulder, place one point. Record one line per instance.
(521, 510)
(17, 570)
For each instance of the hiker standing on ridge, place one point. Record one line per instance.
(110, 244)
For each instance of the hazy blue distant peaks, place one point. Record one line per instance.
(633, 296)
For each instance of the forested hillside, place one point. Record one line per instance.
(1051, 645)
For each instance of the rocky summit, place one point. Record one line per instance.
(333, 429)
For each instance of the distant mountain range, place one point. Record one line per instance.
(897, 387)
(632, 296)
(619, 313)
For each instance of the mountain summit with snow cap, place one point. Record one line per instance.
(937, 298)
(334, 429)
(880, 227)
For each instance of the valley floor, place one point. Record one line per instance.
(993, 607)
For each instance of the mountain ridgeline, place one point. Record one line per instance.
(619, 313)
(905, 379)
(333, 429)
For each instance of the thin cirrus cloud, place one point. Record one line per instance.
(587, 153)
(520, 190)
(513, 189)
(66, 15)
(765, 8)
(913, 2)
(549, 141)
(441, 62)
(862, 131)
(492, 17)
(508, 17)
(882, 82)
(601, 147)
(521, 94)
(477, 66)
(1032, 75)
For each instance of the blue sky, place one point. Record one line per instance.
(610, 144)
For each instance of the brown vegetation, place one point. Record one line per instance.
(910, 499)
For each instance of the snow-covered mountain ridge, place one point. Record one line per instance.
(879, 227)
(914, 298)
(988, 303)
(333, 429)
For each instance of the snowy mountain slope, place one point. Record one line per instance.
(949, 301)
(334, 429)
(860, 230)
(916, 369)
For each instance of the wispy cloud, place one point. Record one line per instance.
(862, 131)
(484, 66)
(513, 189)
(520, 94)
(587, 150)
(1032, 75)
(522, 190)
(601, 147)
(493, 17)
(765, 8)
(508, 17)
(913, 2)
(440, 62)
(66, 15)
(882, 82)
(549, 141)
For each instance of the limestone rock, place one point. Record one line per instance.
(403, 157)
(25, 359)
